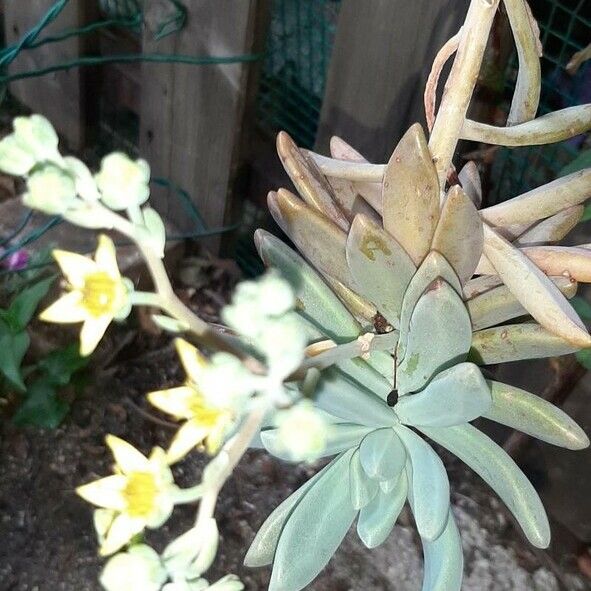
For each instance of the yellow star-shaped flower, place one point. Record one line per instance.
(204, 423)
(96, 293)
(140, 494)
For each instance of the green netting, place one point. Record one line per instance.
(298, 52)
(121, 8)
(565, 29)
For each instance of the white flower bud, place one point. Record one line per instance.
(275, 294)
(85, 184)
(138, 569)
(302, 431)
(50, 190)
(228, 583)
(283, 341)
(14, 159)
(36, 135)
(123, 182)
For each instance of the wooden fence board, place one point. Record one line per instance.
(381, 59)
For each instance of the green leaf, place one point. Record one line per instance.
(584, 357)
(382, 454)
(41, 407)
(59, 366)
(13, 348)
(24, 305)
(363, 489)
(582, 307)
(312, 533)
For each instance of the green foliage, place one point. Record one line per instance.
(38, 385)
(583, 160)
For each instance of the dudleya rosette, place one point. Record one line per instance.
(406, 271)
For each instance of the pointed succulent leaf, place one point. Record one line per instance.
(501, 473)
(459, 236)
(339, 437)
(315, 300)
(361, 309)
(538, 295)
(428, 484)
(457, 395)
(362, 372)
(481, 284)
(411, 194)
(382, 362)
(310, 525)
(380, 267)
(439, 336)
(541, 202)
(553, 229)
(535, 416)
(377, 519)
(363, 489)
(321, 241)
(471, 183)
(515, 342)
(263, 546)
(498, 305)
(309, 181)
(570, 261)
(382, 454)
(444, 560)
(352, 402)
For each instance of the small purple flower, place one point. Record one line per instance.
(16, 261)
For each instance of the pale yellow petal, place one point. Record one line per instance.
(106, 492)
(216, 437)
(92, 332)
(123, 529)
(74, 266)
(127, 457)
(106, 257)
(160, 467)
(162, 511)
(187, 437)
(193, 361)
(175, 401)
(66, 310)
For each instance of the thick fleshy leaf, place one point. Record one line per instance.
(361, 309)
(263, 546)
(382, 362)
(380, 267)
(411, 194)
(365, 374)
(459, 236)
(501, 473)
(428, 485)
(321, 241)
(481, 284)
(382, 454)
(541, 202)
(471, 183)
(363, 489)
(444, 560)
(339, 437)
(344, 397)
(316, 302)
(535, 416)
(433, 266)
(571, 261)
(377, 519)
(311, 184)
(498, 305)
(538, 295)
(457, 395)
(553, 229)
(515, 342)
(440, 335)
(312, 534)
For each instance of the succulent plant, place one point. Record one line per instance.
(400, 262)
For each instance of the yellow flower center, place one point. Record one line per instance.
(140, 494)
(99, 293)
(208, 416)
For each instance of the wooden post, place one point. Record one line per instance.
(380, 62)
(58, 96)
(191, 115)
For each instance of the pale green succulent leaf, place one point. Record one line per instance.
(457, 395)
(410, 193)
(428, 484)
(459, 236)
(363, 489)
(501, 473)
(515, 342)
(312, 534)
(526, 412)
(553, 229)
(361, 371)
(470, 180)
(438, 336)
(380, 267)
(444, 560)
(382, 454)
(377, 519)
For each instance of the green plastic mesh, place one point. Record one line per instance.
(121, 8)
(565, 29)
(292, 84)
